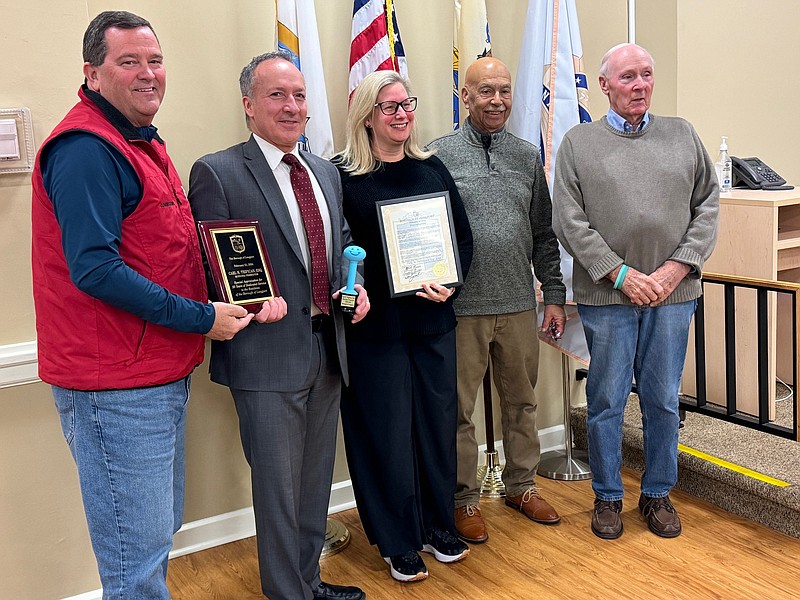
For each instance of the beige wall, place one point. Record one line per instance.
(729, 67)
(738, 76)
(656, 30)
(44, 549)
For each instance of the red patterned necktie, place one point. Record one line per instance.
(312, 221)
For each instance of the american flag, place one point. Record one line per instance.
(375, 41)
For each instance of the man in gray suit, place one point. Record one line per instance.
(285, 371)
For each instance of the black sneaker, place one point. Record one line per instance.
(445, 546)
(407, 567)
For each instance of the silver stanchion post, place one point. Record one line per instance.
(490, 474)
(567, 464)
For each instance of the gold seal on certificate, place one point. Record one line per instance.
(238, 262)
(419, 242)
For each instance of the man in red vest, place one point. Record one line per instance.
(121, 303)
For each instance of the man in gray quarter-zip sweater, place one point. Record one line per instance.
(635, 201)
(503, 187)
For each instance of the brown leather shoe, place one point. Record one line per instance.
(470, 525)
(662, 518)
(606, 520)
(533, 506)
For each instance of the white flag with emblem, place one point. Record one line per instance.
(298, 35)
(551, 97)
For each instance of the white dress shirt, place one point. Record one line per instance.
(274, 158)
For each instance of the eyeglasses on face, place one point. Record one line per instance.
(390, 107)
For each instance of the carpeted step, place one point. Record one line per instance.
(743, 471)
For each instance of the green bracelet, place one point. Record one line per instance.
(623, 271)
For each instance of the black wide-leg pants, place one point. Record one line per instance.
(399, 417)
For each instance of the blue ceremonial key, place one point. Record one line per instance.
(355, 254)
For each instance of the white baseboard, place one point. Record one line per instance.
(93, 595)
(213, 531)
(551, 438)
(240, 524)
(230, 527)
(342, 497)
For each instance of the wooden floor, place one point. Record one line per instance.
(719, 555)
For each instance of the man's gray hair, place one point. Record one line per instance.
(607, 56)
(94, 39)
(248, 73)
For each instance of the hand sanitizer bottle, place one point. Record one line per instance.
(723, 166)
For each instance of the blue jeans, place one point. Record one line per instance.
(648, 343)
(129, 446)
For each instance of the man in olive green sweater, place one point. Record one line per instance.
(635, 201)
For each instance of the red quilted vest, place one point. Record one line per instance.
(84, 343)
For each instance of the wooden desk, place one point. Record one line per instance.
(759, 236)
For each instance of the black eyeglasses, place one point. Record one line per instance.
(390, 107)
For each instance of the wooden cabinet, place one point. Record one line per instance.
(759, 237)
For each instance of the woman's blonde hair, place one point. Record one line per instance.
(357, 157)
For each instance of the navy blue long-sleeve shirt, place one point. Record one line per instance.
(93, 188)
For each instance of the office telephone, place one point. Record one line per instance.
(753, 173)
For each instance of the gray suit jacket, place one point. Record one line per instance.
(237, 183)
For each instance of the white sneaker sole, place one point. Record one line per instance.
(402, 577)
(444, 558)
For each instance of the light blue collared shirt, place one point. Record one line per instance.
(621, 124)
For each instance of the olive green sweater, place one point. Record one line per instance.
(638, 198)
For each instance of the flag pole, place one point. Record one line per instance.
(337, 538)
(390, 32)
(490, 474)
(631, 21)
(296, 33)
(567, 464)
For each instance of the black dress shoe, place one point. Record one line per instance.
(328, 591)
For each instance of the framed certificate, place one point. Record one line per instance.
(419, 242)
(238, 262)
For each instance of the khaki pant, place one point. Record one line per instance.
(511, 340)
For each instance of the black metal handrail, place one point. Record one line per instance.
(729, 411)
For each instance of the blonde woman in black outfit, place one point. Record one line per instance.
(399, 413)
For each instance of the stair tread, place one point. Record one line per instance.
(743, 494)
